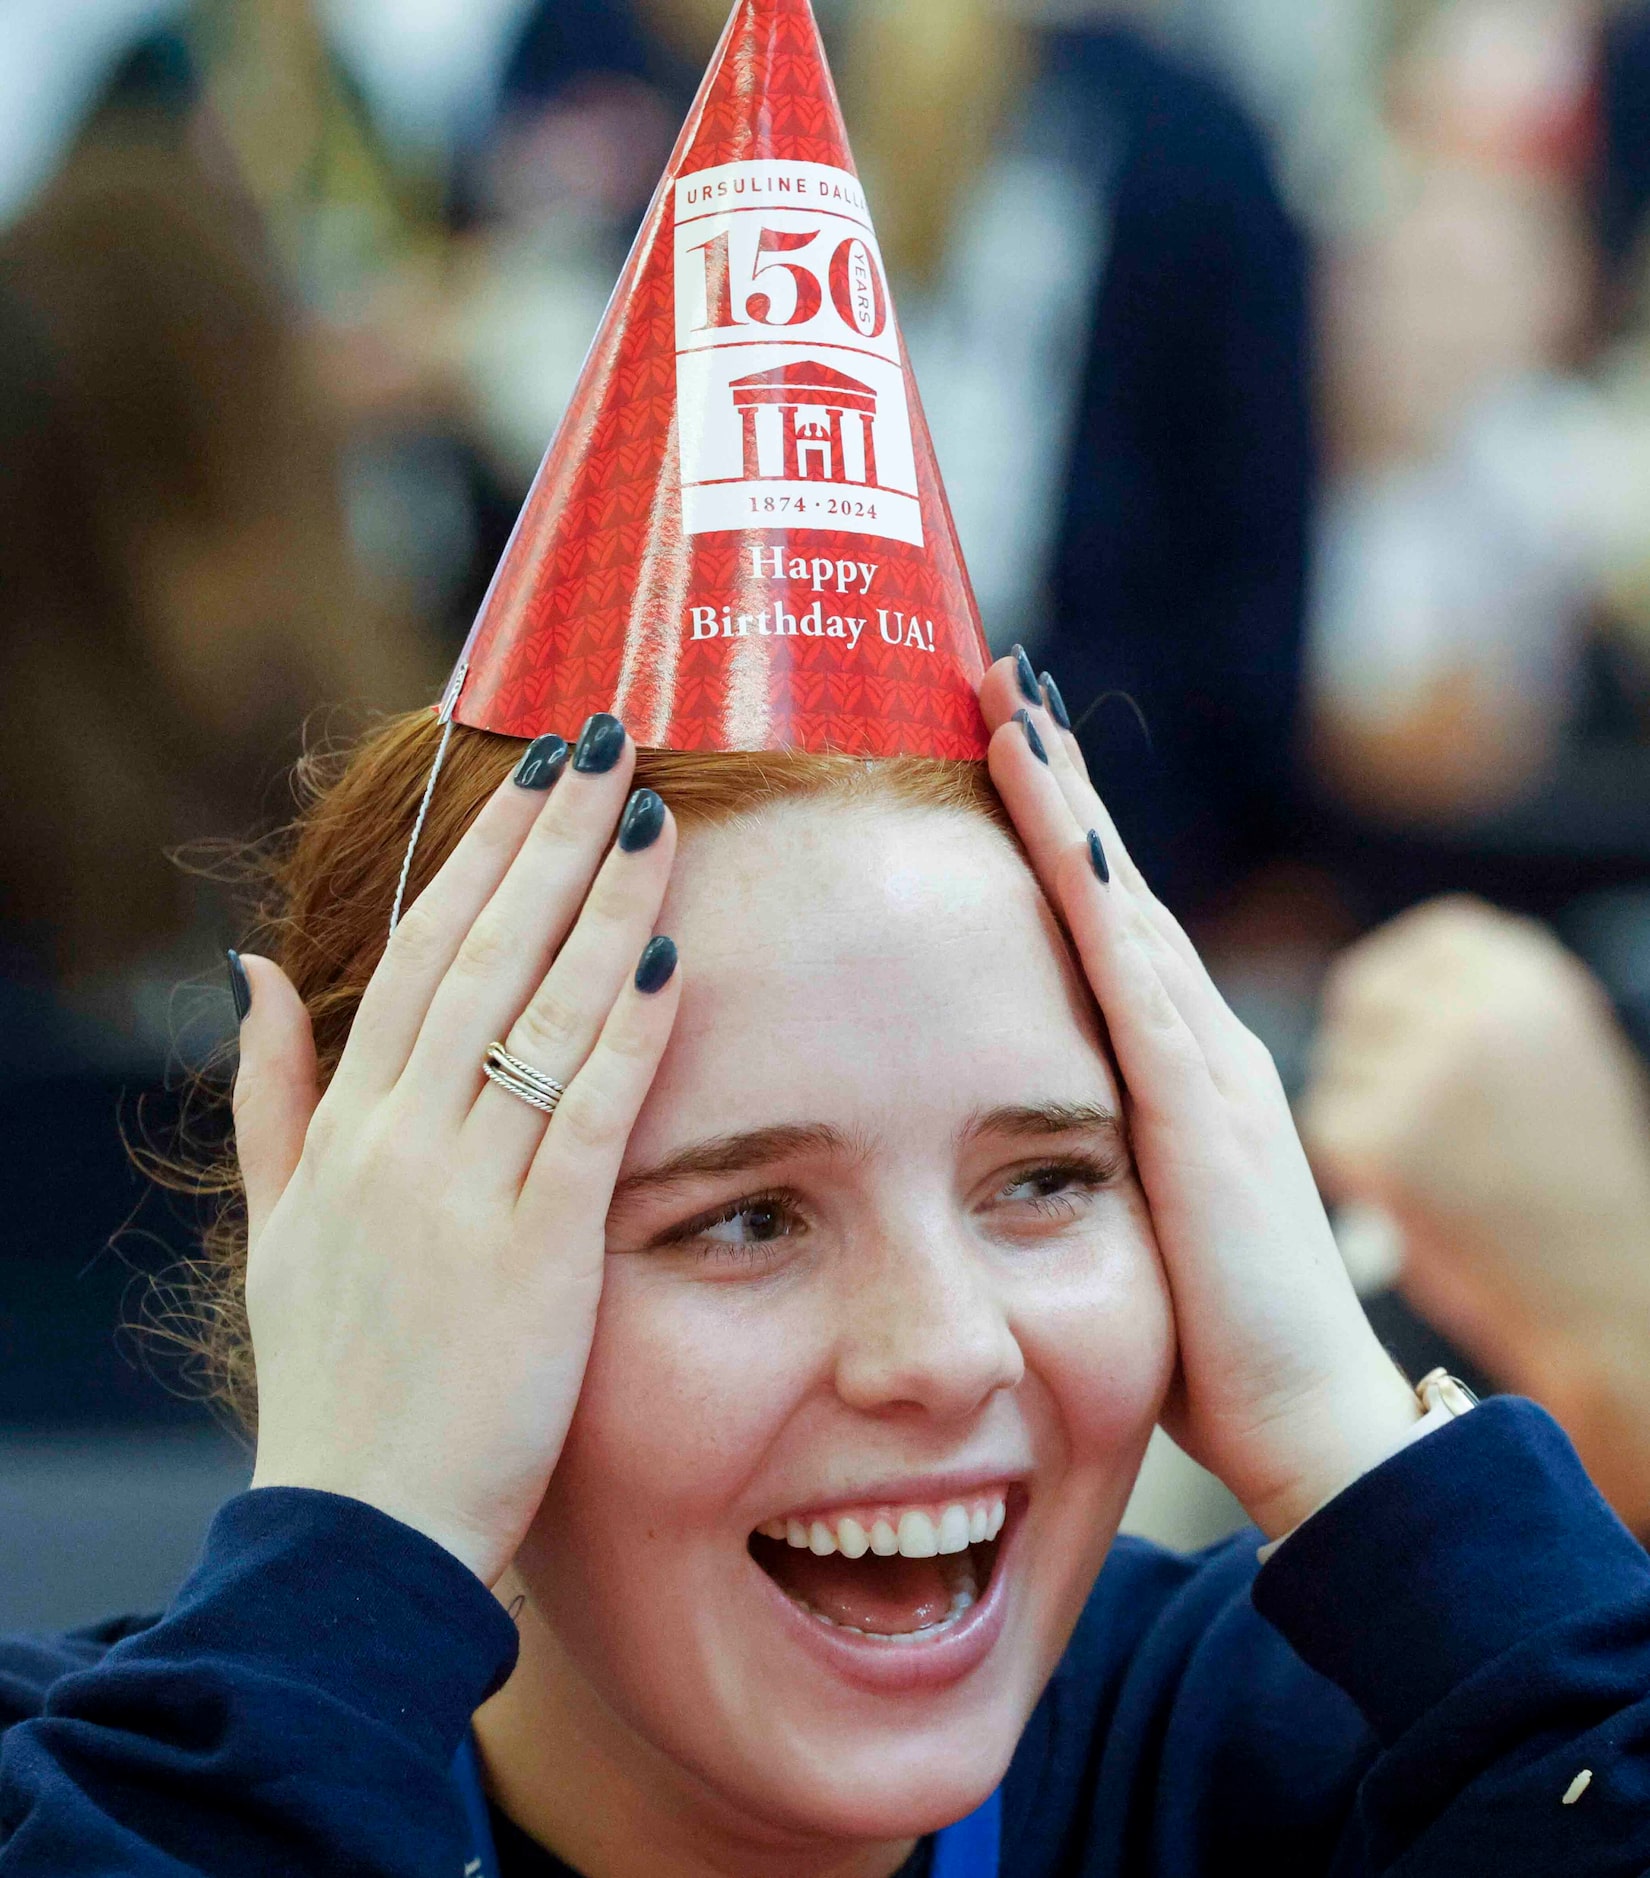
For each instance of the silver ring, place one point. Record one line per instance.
(521, 1080)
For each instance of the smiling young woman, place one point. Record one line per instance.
(725, 1467)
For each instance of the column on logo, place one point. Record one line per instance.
(839, 467)
(753, 459)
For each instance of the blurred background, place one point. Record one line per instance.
(1289, 366)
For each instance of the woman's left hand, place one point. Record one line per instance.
(1283, 1390)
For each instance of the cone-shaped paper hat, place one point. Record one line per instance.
(739, 539)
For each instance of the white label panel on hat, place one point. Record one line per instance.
(790, 387)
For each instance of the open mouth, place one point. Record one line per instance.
(895, 1574)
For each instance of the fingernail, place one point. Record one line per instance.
(642, 823)
(1097, 859)
(1026, 676)
(1023, 719)
(1056, 704)
(240, 986)
(601, 744)
(542, 764)
(658, 966)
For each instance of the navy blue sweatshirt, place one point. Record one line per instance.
(1411, 1685)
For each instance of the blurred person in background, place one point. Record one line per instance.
(178, 581)
(1485, 515)
(178, 592)
(547, 197)
(1479, 687)
(1473, 1083)
(359, 234)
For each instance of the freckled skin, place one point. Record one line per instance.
(891, 973)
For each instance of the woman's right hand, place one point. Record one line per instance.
(425, 1251)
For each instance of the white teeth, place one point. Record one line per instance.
(851, 1536)
(917, 1537)
(913, 1534)
(953, 1535)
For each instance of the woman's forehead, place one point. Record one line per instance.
(842, 861)
(859, 967)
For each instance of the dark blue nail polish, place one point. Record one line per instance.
(240, 986)
(1023, 719)
(1056, 704)
(601, 744)
(542, 764)
(658, 966)
(642, 823)
(1026, 676)
(1097, 858)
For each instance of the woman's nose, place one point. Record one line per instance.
(925, 1329)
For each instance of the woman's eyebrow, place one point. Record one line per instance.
(733, 1154)
(1038, 1119)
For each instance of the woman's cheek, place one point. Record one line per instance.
(687, 1385)
(1098, 1329)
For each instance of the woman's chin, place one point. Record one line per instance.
(888, 1788)
(816, 1695)
(881, 1737)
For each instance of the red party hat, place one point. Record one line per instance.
(739, 539)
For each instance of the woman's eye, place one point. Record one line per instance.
(747, 1232)
(1054, 1192)
(1039, 1186)
(755, 1222)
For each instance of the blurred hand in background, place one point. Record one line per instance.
(1471, 1080)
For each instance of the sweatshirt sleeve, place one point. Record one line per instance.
(1490, 1617)
(297, 1710)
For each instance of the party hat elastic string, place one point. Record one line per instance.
(455, 685)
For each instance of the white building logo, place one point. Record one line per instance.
(790, 390)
